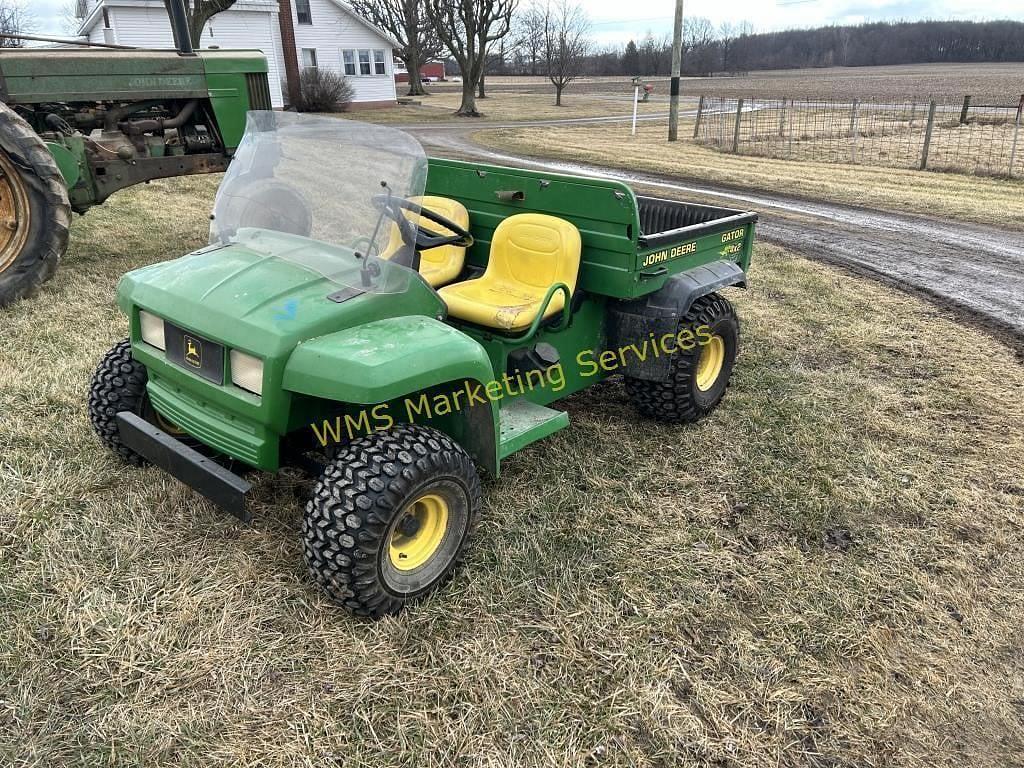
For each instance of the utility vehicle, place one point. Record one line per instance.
(393, 325)
(79, 124)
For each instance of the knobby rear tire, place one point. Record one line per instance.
(678, 399)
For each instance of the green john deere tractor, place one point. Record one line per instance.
(77, 125)
(392, 325)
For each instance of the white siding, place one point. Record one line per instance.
(334, 30)
(254, 24)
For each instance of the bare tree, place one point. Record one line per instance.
(566, 28)
(407, 22)
(699, 41)
(198, 13)
(528, 36)
(14, 20)
(467, 28)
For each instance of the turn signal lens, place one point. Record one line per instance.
(247, 372)
(152, 330)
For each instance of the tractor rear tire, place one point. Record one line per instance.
(389, 519)
(698, 377)
(35, 214)
(118, 385)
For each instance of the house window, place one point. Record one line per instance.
(364, 63)
(309, 58)
(302, 11)
(349, 59)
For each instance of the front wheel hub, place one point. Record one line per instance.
(418, 536)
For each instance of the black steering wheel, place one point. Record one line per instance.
(416, 237)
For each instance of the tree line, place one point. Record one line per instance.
(732, 48)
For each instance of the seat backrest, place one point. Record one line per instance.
(535, 250)
(452, 210)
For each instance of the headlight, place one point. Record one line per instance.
(246, 372)
(152, 330)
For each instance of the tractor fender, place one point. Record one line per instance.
(636, 320)
(397, 360)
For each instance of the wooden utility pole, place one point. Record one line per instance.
(677, 71)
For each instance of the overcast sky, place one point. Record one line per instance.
(613, 25)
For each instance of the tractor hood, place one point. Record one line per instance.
(246, 298)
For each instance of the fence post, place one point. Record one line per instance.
(853, 130)
(1016, 135)
(928, 136)
(853, 115)
(792, 110)
(913, 114)
(736, 135)
(965, 110)
(782, 120)
(700, 114)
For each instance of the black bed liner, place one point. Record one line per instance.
(663, 222)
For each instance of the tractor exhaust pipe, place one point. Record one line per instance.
(179, 26)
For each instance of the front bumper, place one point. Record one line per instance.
(221, 486)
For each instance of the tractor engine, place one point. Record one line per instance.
(128, 130)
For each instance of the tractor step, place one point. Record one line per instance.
(523, 422)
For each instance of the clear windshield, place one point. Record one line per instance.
(302, 188)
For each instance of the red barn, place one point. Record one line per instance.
(433, 71)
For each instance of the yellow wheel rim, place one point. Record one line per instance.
(709, 366)
(418, 535)
(15, 212)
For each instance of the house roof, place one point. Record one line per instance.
(270, 6)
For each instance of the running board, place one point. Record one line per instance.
(523, 423)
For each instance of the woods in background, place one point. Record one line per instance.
(732, 48)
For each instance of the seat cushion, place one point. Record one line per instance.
(438, 266)
(502, 305)
(529, 254)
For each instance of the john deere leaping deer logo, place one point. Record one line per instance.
(193, 352)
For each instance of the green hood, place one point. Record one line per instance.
(265, 304)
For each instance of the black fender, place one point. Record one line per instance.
(650, 317)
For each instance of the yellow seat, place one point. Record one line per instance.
(439, 266)
(530, 253)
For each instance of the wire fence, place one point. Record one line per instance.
(928, 135)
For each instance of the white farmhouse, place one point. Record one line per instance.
(328, 34)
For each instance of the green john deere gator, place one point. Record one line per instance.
(77, 125)
(392, 325)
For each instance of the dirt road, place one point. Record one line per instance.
(977, 270)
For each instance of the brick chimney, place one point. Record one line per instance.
(291, 55)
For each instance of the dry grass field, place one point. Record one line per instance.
(505, 106)
(954, 196)
(826, 573)
(988, 83)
